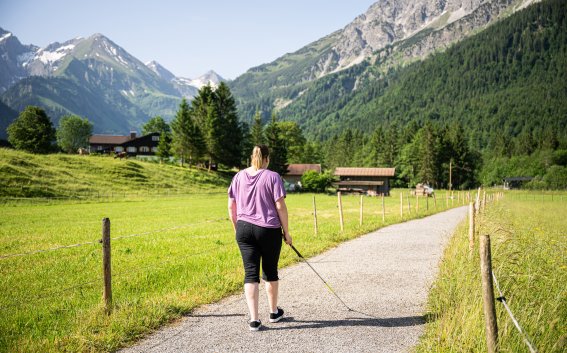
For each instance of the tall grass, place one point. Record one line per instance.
(529, 256)
(182, 255)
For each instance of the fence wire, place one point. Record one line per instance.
(3, 257)
(7, 256)
(502, 299)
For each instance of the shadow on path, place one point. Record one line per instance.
(352, 322)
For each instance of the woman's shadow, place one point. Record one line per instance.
(355, 321)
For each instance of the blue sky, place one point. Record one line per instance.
(186, 37)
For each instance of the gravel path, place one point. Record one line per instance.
(384, 276)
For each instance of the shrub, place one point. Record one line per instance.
(315, 182)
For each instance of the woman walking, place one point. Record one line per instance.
(257, 209)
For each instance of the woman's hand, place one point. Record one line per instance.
(287, 238)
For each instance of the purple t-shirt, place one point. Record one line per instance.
(256, 197)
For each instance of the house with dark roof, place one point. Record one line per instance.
(295, 171)
(134, 146)
(107, 143)
(371, 181)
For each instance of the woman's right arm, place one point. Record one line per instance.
(232, 212)
(282, 213)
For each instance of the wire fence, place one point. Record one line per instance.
(502, 299)
(161, 230)
(119, 276)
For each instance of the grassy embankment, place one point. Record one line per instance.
(74, 176)
(529, 256)
(183, 255)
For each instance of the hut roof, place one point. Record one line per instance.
(341, 171)
(299, 169)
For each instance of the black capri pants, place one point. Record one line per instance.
(259, 244)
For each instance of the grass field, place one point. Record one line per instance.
(529, 257)
(73, 176)
(182, 255)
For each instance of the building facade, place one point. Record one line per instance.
(371, 181)
(133, 146)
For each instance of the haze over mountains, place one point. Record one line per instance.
(96, 78)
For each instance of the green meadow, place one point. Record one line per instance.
(529, 259)
(169, 255)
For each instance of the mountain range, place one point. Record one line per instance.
(91, 77)
(96, 78)
(391, 33)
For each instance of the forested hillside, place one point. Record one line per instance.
(506, 82)
(503, 92)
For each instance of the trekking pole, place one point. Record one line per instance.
(318, 275)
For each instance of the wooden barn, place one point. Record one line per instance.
(371, 181)
(295, 171)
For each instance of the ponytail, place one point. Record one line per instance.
(259, 154)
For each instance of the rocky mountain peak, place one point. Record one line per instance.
(160, 70)
(390, 21)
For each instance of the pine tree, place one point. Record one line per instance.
(164, 146)
(278, 151)
(257, 130)
(228, 136)
(188, 142)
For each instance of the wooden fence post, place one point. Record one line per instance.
(401, 205)
(361, 211)
(341, 211)
(427, 202)
(409, 205)
(471, 226)
(488, 294)
(484, 201)
(477, 202)
(107, 275)
(315, 214)
(435, 200)
(447, 199)
(416, 203)
(383, 209)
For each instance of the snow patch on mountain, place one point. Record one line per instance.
(210, 78)
(5, 36)
(49, 57)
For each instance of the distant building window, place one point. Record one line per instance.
(118, 149)
(144, 149)
(155, 138)
(131, 149)
(154, 149)
(99, 148)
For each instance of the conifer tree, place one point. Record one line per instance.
(227, 133)
(188, 142)
(257, 130)
(278, 151)
(164, 146)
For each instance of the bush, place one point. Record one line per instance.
(32, 131)
(315, 182)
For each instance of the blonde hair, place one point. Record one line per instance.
(259, 154)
